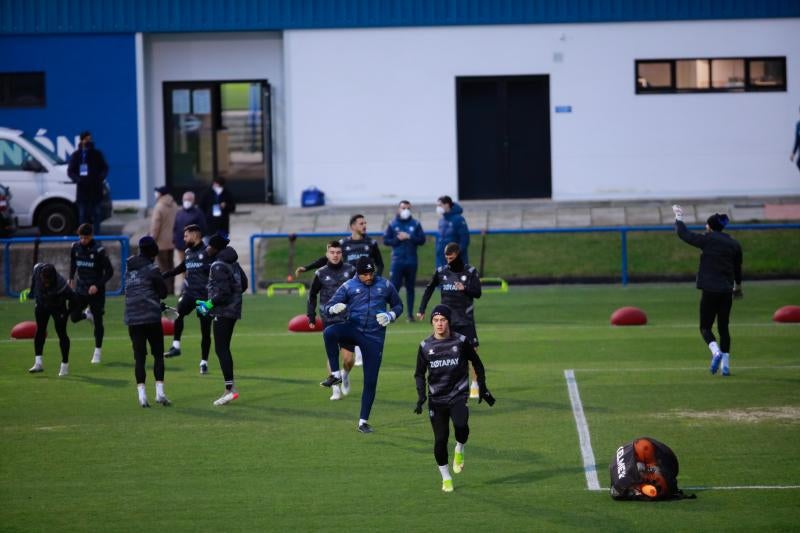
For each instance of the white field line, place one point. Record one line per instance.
(589, 464)
(686, 369)
(747, 487)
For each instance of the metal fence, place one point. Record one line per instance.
(7, 243)
(622, 230)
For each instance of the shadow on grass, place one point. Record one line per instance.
(103, 382)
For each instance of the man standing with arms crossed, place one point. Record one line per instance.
(404, 234)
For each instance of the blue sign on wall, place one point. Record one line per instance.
(90, 84)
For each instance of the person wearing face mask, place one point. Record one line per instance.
(162, 224)
(188, 215)
(452, 228)
(720, 279)
(88, 169)
(404, 234)
(52, 295)
(217, 204)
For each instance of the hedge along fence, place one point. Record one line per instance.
(562, 254)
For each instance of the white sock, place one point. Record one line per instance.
(176, 345)
(142, 393)
(714, 347)
(203, 362)
(159, 388)
(474, 385)
(37, 360)
(344, 373)
(65, 366)
(361, 421)
(337, 374)
(98, 352)
(726, 360)
(445, 471)
(459, 447)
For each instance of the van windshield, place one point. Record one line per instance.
(47, 152)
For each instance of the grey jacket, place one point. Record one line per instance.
(144, 290)
(226, 283)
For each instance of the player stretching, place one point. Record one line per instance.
(443, 356)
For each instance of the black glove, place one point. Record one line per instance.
(163, 307)
(484, 394)
(418, 408)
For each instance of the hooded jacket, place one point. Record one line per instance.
(364, 302)
(54, 297)
(226, 283)
(144, 290)
(404, 252)
(720, 262)
(452, 228)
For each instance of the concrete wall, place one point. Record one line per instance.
(211, 56)
(371, 113)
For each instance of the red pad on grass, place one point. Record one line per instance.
(167, 326)
(24, 330)
(787, 313)
(628, 316)
(299, 324)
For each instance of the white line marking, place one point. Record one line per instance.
(747, 487)
(589, 464)
(686, 369)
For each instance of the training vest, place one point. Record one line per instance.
(92, 267)
(448, 379)
(198, 265)
(352, 250)
(331, 279)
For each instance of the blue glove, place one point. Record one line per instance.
(204, 306)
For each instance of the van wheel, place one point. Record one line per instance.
(56, 219)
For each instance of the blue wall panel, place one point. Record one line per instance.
(90, 83)
(110, 16)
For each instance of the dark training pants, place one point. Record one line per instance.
(440, 422)
(97, 305)
(43, 315)
(405, 275)
(371, 350)
(223, 333)
(141, 335)
(185, 308)
(716, 306)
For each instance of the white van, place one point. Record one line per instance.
(42, 194)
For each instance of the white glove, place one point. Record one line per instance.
(678, 210)
(384, 319)
(335, 309)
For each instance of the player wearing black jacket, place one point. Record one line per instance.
(326, 280)
(226, 283)
(443, 357)
(355, 246)
(196, 264)
(720, 279)
(53, 296)
(460, 285)
(89, 271)
(144, 290)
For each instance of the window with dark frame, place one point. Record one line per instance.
(22, 89)
(710, 75)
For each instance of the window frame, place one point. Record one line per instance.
(673, 89)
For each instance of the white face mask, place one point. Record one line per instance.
(157, 196)
(217, 189)
(440, 210)
(187, 204)
(405, 214)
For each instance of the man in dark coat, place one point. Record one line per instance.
(217, 204)
(88, 168)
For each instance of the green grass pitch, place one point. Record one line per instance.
(77, 453)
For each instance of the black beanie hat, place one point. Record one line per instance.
(148, 247)
(364, 265)
(717, 222)
(441, 310)
(218, 241)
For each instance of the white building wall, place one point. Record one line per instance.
(211, 56)
(371, 113)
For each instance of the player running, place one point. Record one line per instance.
(326, 280)
(196, 265)
(443, 357)
(720, 279)
(89, 271)
(460, 285)
(53, 297)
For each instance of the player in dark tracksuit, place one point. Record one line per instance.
(53, 298)
(89, 271)
(354, 247)
(226, 283)
(326, 281)
(144, 290)
(460, 285)
(404, 234)
(365, 298)
(443, 357)
(720, 279)
(196, 264)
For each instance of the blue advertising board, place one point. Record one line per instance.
(90, 84)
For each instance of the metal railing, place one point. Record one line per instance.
(622, 230)
(124, 252)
